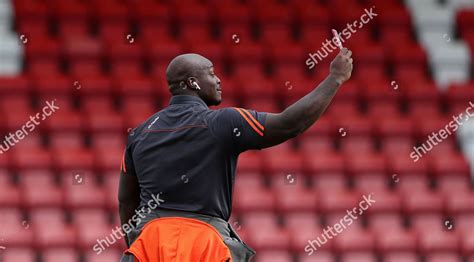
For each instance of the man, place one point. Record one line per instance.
(187, 154)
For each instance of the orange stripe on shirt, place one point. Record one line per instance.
(123, 167)
(253, 118)
(248, 121)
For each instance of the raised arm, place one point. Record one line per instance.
(298, 117)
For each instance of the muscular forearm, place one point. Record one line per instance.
(303, 113)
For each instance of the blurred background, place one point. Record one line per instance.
(103, 64)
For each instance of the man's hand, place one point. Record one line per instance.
(341, 66)
(298, 117)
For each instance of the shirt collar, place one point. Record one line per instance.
(187, 99)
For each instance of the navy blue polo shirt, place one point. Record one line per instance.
(188, 153)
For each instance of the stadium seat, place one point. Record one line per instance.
(295, 200)
(59, 254)
(401, 256)
(246, 202)
(422, 201)
(320, 256)
(19, 254)
(277, 256)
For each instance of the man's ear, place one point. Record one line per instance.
(192, 82)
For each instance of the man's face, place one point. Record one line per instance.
(210, 85)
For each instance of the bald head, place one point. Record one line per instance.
(193, 74)
(184, 66)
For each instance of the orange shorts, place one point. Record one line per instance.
(179, 239)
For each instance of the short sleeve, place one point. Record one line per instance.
(239, 128)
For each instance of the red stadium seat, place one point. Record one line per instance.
(354, 126)
(100, 104)
(387, 201)
(150, 12)
(192, 13)
(312, 15)
(246, 201)
(122, 48)
(20, 85)
(64, 121)
(459, 98)
(82, 192)
(108, 159)
(68, 159)
(297, 220)
(371, 182)
(328, 162)
(163, 52)
(438, 241)
(394, 16)
(459, 202)
(354, 240)
(92, 86)
(325, 126)
(31, 11)
(258, 219)
(342, 108)
(448, 184)
(396, 126)
(443, 257)
(360, 164)
(38, 190)
(107, 254)
(31, 159)
(464, 21)
(337, 201)
(401, 256)
(295, 200)
(245, 52)
(449, 165)
(380, 109)
(44, 48)
(16, 231)
(59, 255)
(272, 14)
(358, 257)
(404, 165)
(269, 239)
(406, 54)
(135, 86)
(283, 162)
(274, 256)
(98, 122)
(319, 256)
(192, 33)
(108, 140)
(19, 254)
(68, 140)
(467, 243)
(394, 240)
(109, 11)
(315, 145)
(423, 201)
(61, 235)
(379, 222)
